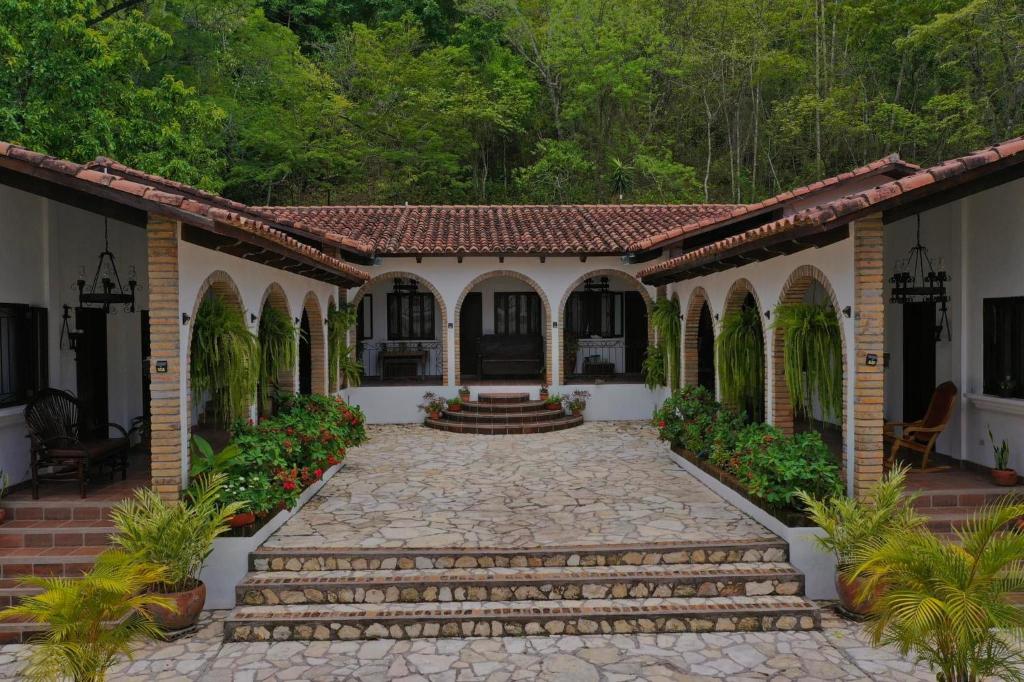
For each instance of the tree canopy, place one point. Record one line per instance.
(508, 101)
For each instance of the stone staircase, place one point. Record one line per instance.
(325, 594)
(504, 413)
(47, 538)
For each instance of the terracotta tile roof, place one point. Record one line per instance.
(178, 203)
(841, 211)
(891, 164)
(276, 221)
(505, 230)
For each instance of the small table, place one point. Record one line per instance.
(391, 360)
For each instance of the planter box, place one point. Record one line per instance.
(228, 564)
(819, 568)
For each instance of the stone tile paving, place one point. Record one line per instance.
(839, 652)
(603, 483)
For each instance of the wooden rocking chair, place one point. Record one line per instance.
(920, 435)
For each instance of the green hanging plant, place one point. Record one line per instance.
(812, 358)
(278, 346)
(665, 320)
(341, 358)
(224, 361)
(740, 354)
(654, 368)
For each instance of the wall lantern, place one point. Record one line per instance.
(916, 279)
(70, 339)
(106, 289)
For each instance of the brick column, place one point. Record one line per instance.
(165, 401)
(869, 338)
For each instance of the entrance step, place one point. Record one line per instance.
(503, 408)
(502, 414)
(56, 510)
(649, 554)
(503, 584)
(506, 427)
(517, 618)
(531, 416)
(15, 534)
(503, 397)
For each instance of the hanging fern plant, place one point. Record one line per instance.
(665, 320)
(740, 353)
(278, 347)
(224, 360)
(654, 368)
(812, 357)
(341, 358)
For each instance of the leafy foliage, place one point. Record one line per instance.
(279, 348)
(667, 327)
(812, 357)
(654, 367)
(341, 357)
(948, 602)
(92, 619)
(224, 359)
(740, 355)
(178, 536)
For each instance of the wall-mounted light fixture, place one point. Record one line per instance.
(70, 337)
(252, 318)
(847, 312)
(768, 314)
(185, 317)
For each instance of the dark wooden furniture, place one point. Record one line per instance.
(920, 435)
(597, 366)
(515, 355)
(396, 364)
(63, 441)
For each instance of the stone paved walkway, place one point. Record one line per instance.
(603, 483)
(839, 652)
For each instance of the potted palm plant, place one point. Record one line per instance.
(92, 620)
(1002, 474)
(433, 404)
(177, 537)
(849, 523)
(950, 602)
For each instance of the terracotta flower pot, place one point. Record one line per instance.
(543, 395)
(242, 519)
(577, 413)
(554, 406)
(1005, 477)
(455, 408)
(463, 396)
(849, 592)
(434, 415)
(187, 605)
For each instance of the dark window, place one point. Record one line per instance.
(516, 313)
(364, 318)
(1004, 346)
(23, 368)
(410, 316)
(595, 313)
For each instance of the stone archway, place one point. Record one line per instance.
(275, 298)
(220, 283)
(742, 293)
(795, 291)
(438, 299)
(312, 321)
(546, 322)
(605, 272)
(695, 333)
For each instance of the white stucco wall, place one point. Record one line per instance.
(46, 244)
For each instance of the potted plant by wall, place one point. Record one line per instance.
(224, 361)
(433, 404)
(178, 537)
(1002, 474)
(464, 393)
(92, 620)
(544, 392)
(576, 402)
(850, 523)
(950, 603)
(553, 402)
(455, 404)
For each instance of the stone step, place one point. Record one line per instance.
(532, 416)
(646, 554)
(967, 498)
(502, 397)
(516, 618)
(503, 408)
(509, 428)
(501, 584)
(55, 533)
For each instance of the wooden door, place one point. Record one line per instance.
(635, 321)
(91, 365)
(471, 328)
(918, 358)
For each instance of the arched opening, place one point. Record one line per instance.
(699, 342)
(305, 356)
(312, 348)
(400, 333)
(503, 326)
(332, 370)
(278, 350)
(605, 329)
(809, 289)
(740, 352)
(706, 349)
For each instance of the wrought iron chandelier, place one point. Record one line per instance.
(916, 279)
(106, 289)
(596, 284)
(402, 286)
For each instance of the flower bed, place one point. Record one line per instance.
(278, 458)
(757, 460)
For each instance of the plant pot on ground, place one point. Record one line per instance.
(553, 403)
(464, 393)
(455, 405)
(242, 519)
(177, 537)
(576, 402)
(433, 404)
(543, 395)
(1002, 474)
